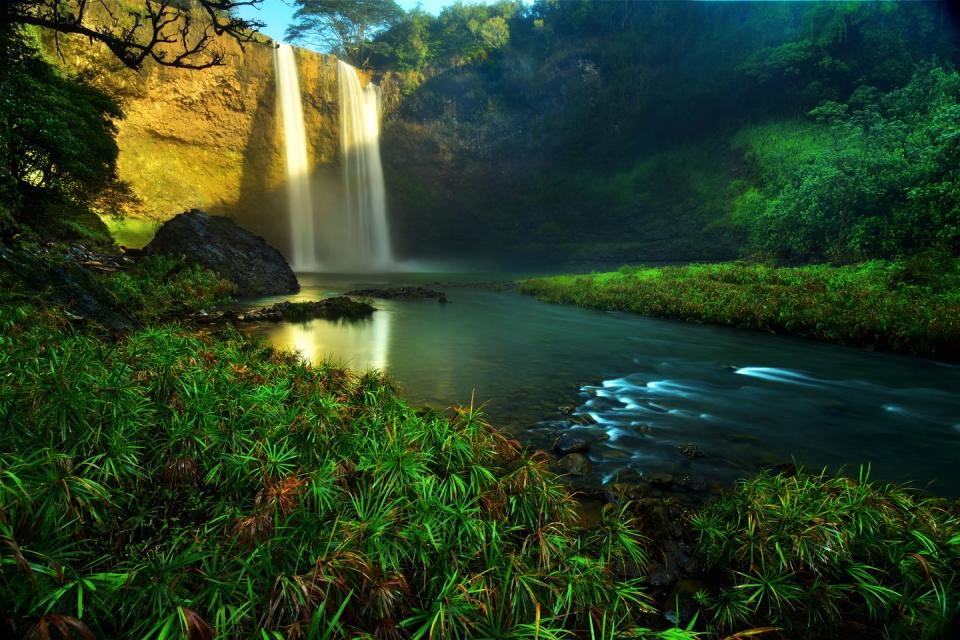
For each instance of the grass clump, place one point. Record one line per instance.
(911, 306)
(822, 556)
(178, 485)
(162, 286)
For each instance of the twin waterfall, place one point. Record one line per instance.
(352, 235)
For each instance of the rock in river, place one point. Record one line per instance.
(575, 464)
(567, 444)
(400, 293)
(336, 308)
(218, 244)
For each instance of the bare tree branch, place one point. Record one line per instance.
(172, 33)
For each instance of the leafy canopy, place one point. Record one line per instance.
(57, 142)
(343, 27)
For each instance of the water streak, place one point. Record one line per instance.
(303, 249)
(361, 237)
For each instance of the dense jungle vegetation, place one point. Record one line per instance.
(609, 132)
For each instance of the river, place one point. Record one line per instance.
(642, 388)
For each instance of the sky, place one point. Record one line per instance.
(278, 13)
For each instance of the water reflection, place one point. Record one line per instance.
(359, 344)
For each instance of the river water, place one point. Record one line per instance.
(642, 388)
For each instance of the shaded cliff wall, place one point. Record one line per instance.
(212, 139)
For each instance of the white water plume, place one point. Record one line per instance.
(361, 237)
(303, 246)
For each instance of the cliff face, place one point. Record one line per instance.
(212, 139)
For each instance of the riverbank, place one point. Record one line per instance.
(194, 506)
(911, 308)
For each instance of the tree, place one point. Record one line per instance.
(57, 146)
(172, 33)
(346, 28)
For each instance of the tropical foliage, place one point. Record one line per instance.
(57, 147)
(883, 181)
(816, 555)
(613, 131)
(176, 485)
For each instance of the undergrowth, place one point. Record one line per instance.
(160, 286)
(172, 485)
(822, 556)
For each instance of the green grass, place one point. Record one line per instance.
(820, 556)
(177, 485)
(162, 286)
(909, 307)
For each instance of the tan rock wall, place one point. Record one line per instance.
(212, 139)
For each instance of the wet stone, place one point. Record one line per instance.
(574, 464)
(660, 480)
(691, 450)
(692, 483)
(567, 444)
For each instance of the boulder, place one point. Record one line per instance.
(218, 244)
(336, 308)
(574, 464)
(567, 444)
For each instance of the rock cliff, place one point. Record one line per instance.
(211, 139)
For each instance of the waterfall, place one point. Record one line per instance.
(362, 231)
(303, 250)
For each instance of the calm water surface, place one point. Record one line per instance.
(746, 399)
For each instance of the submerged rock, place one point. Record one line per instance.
(691, 450)
(400, 293)
(660, 480)
(567, 444)
(218, 244)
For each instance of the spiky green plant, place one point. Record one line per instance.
(179, 485)
(812, 552)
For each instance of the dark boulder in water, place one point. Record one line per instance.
(567, 444)
(574, 464)
(218, 244)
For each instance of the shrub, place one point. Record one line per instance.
(810, 553)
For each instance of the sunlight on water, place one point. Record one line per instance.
(359, 345)
(641, 389)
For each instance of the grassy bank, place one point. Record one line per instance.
(180, 485)
(909, 307)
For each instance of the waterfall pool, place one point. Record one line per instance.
(642, 389)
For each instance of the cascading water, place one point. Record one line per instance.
(363, 237)
(303, 250)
